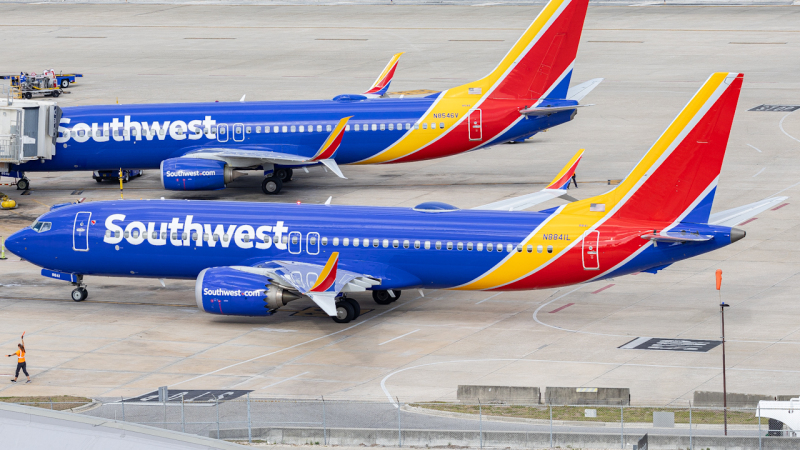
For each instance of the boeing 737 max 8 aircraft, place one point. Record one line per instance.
(203, 146)
(253, 258)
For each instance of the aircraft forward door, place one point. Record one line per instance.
(475, 125)
(80, 232)
(591, 254)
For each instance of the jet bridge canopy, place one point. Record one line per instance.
(28, 131)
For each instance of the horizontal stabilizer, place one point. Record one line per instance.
(582, 90)
(556, 188)
(735, 216)
(678, 237)
(547, 110)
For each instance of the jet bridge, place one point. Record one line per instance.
(28, 131)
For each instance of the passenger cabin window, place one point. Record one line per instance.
(383, 127)
(374, 127)
(375, 243)
(438, 245)
(480, 246)
(395, 243)
(489, 247)
(324, 241)
(549, 249)
(416, 244)
(424, 126)
(258, 129)
(302, 128)
(539, 249)
(335, 242)
(247, 130)
(427, 245)
(346, 242)
(441, 126)
(293, 129)
(328, 128)
(284, 129)
(319, 128)
(356, 127)
(391, 126)
(405, 244)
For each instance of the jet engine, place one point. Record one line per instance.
(195, 174)
(232, 291)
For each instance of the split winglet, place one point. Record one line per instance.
(561, 181)
(331, 144)
(556, 188)
(327, 276)
(381, 85)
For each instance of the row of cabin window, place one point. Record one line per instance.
(345, 242)
(438, 245)
(275, 129)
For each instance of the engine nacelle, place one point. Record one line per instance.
(195, 174)
(229, 291)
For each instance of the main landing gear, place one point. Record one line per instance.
(23, 184)
(274, 183)
(385, 297)
(347, 309)
(80, 293)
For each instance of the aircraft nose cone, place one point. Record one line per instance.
(737, 234)
(15, 242)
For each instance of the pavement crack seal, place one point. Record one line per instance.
(780, 125)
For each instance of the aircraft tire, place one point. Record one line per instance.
(271, 185)
(356, 307)
(344, 312)
(396, 294)
(79, 294)
(288, 177)
(382, 297)
(99, 180)
(23, 184)
(280, 173)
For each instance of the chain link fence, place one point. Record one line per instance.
(439, 424)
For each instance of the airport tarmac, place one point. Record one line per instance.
(132, 336)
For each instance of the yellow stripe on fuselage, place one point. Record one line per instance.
(576, 218)
(456, 103)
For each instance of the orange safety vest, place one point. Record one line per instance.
(20, 356)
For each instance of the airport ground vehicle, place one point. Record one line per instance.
(127, 174)
(253, 258)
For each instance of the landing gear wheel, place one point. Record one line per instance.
(80, 294)
(280, 174)
(126, 177)
(23, 184)
(344, 312)
(288, 177)
(356, 307)
(64, 83)
(382, 297)
(271, 185)
(396, 294)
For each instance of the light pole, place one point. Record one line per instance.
(722, 307)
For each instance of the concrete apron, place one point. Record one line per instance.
(501, 439)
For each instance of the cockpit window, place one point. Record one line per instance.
(40, 227)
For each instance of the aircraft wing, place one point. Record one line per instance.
(556, 188)
(735, 216)
(249, 156)
(320, 283)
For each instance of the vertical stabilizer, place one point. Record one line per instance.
(677, 178)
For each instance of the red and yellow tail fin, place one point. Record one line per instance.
(328, 275)
(679, 173)
(331, 144)
(561, 181)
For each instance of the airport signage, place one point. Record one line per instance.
(671, 344)
(190, 395)
(775, 108)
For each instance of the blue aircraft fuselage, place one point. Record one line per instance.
(110, 137)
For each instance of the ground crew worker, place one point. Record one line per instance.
(20, 354)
